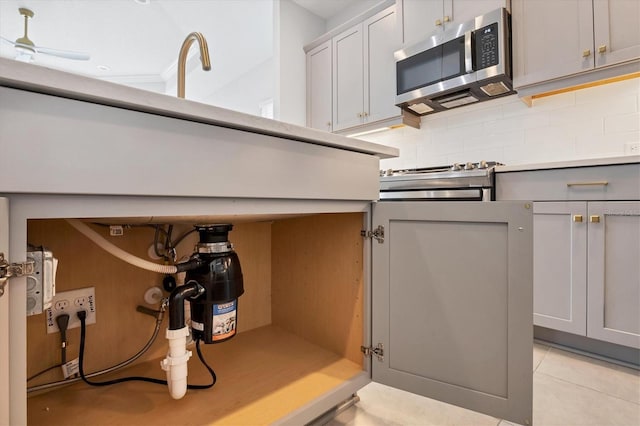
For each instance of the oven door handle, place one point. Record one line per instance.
(479, 194)
(468, 52)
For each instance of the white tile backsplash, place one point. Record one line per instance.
(588, 123)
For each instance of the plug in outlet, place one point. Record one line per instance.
(632, 148)
(70, 302)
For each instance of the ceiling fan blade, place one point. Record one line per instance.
(7, 40)
(68, 54)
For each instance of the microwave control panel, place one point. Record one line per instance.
(486, 47)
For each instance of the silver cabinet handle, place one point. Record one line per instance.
(594, 183)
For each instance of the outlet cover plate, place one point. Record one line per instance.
(632, 148)
(71, 302)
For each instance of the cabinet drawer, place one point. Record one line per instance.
(617, 182)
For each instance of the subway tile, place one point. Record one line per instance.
(614, 380)
(622, 123)
(606, 92)
(622, 104)
(538, 152)
(476, 155)
(549, 136)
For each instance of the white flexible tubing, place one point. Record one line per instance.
(175, 364)
(118, 252)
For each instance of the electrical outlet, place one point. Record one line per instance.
(71, 302)
(632, 148)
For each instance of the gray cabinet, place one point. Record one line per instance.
(586, 248)
(348, 72)
(577, 36)
(560, 266)
(451, 296)
(613, 310)
(423, 17)
(586, 269)
(319, 87)
(364, 71)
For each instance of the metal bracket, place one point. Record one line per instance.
(377, 233)
(10, 270)
(378, 351)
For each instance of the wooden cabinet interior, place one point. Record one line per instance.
(300, 325)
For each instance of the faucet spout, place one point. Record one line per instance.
(182, 58)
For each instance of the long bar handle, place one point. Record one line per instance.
(594, 183)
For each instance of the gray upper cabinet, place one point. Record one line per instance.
(451, 292)
(577, 36)
(616, 31)
(423, 17)
(348, 71)
(364, 71)
(319, 87)
(381, 38)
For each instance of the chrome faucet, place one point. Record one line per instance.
(182, 58)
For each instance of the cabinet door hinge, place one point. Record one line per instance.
(377, 233)
(378, 351)
(10, 270)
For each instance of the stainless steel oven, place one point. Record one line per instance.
(461, 181)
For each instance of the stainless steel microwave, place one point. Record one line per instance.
(463, 65)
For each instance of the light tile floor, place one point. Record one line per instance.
(568, 390)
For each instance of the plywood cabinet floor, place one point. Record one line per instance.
(263, 374)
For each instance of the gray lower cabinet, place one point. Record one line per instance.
(451, 296)
(587, 273)
(586, 246)
(560, 265)
(613, 257)
(446, 301)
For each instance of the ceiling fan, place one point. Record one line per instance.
(26, 49)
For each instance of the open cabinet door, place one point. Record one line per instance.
(4, 318)
(452, 303)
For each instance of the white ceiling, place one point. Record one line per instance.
(139, 40)
(325, 8)
(143, 40)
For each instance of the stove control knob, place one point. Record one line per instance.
(483, 165)
(469, 166)
(456, 167)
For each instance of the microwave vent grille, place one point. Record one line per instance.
(495, 89)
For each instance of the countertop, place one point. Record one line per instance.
(603, 161)
(59, 83)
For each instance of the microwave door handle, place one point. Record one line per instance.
(468, 53)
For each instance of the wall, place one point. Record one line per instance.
(588, 123)
(245, 93)
(354, 9)
(295, 28)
